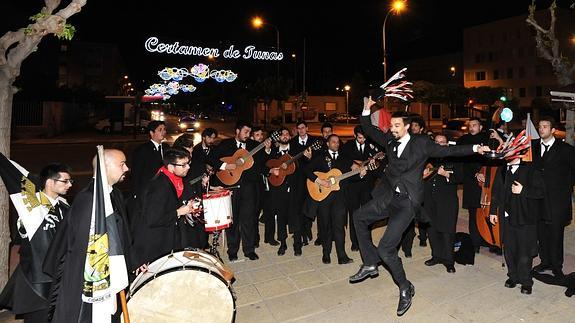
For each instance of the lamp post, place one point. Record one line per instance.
(397, 6)
(346, 88)
(258, 22)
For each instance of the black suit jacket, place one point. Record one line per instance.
(558, 169)
(322, 163)
(440, 196)
(228, 147)
(522, 208)
(407, 170)
(146, 161)
(471, 166)
(199, 160)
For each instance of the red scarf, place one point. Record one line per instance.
(176, 180)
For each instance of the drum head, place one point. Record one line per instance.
(191, 295)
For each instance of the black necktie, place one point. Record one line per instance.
(160, 151)
(57, 211)
(395, 145)
(283, 152)
(334, 155)
(545, 148)
(206, 150)
(361, 149)
(239, 145)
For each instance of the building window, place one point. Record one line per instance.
(510, 73)
(521, 72)
(480, 76)
(522, 92)
(330, 106)
(538, 91)
(496, 74)
(288, 106)
(435, 111)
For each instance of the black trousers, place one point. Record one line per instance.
(269, 217)
(357, 195)
(519, 247)
(245, 219)
(400, 214)
(441, 245)
(331, 222)
(278, 205)
(40, 316)
(551, 236)
(473, 231)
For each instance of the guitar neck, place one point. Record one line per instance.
(197, 179)
(348, 174)
(255, 150)
(294, 158)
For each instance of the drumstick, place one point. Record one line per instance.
(124, 306)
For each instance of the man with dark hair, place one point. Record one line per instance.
(201, 152)
(358, 192)
(146, 160)
(472, 177)
(326, 130)
(332, 209)
(556, 160)
(244, 197)
(301, 142)
(397, 197)
(257, 134)
(417, 125)
(28, 291)
(166, 200)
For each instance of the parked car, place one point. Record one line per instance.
(455, 128)
(188, 123)
(107, 126)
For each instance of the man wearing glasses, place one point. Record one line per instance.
(37, 225)
(165, 204)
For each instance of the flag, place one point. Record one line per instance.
(532, 134)
(37, 221)
(381, 118)
(105, 272)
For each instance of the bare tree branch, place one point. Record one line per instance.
(10, 38)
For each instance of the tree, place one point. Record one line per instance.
(547, 45)
(268, 89)
(15, 47)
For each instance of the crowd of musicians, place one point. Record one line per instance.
(407, 176)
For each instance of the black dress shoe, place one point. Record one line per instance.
(233, 257)
(282, 250)
(408, 254)
(317, 242)
(432, 262)
(273, 242)
(422, 243)
(476, 249)
(326, 259)
(304, 242)
(405, 297)
(558, 273)
(345, 261)
(252, 256)
(297, 252)
(495, 250)
(527, 290)
(510, 283)
(541, 268)
(450, 268)
(257, 245)
(354, 248)
(363, 273)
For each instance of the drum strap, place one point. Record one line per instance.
(225, 272)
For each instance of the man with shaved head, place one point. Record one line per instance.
(67, 255)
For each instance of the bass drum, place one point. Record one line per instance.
(185, 286)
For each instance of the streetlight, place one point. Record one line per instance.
(397, 6)
(452, 69)
(258, 22)
(346, 88)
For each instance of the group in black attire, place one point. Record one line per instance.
(533, 203)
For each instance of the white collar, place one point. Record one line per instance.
(405, 138)
(52, 201)
(287, 147)
(304, 139)
(331, 152)
(550, 142)
(155, 144)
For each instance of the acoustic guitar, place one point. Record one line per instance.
(243, 160)
(334, 176)
(286, 164)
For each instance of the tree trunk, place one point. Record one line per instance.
(569, 122)
(6, 96)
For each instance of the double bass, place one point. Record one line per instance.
(489, 232)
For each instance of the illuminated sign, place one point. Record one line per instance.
(153, 45)
(199, 72)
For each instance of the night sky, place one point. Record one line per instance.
(343, 38)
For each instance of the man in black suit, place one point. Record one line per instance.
(29, 287)
(300, 143)
(66, 258)
(556, 160)
(514, 200)
(201, 152)
(358, 193)
(332, 210)
(165, 203)
(244, 198)
(471, 177)
(282, 201)
(397, 197)
(441, 204)
(147, 158)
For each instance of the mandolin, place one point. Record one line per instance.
(334, 176)
(243, 160)
(286, 164)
